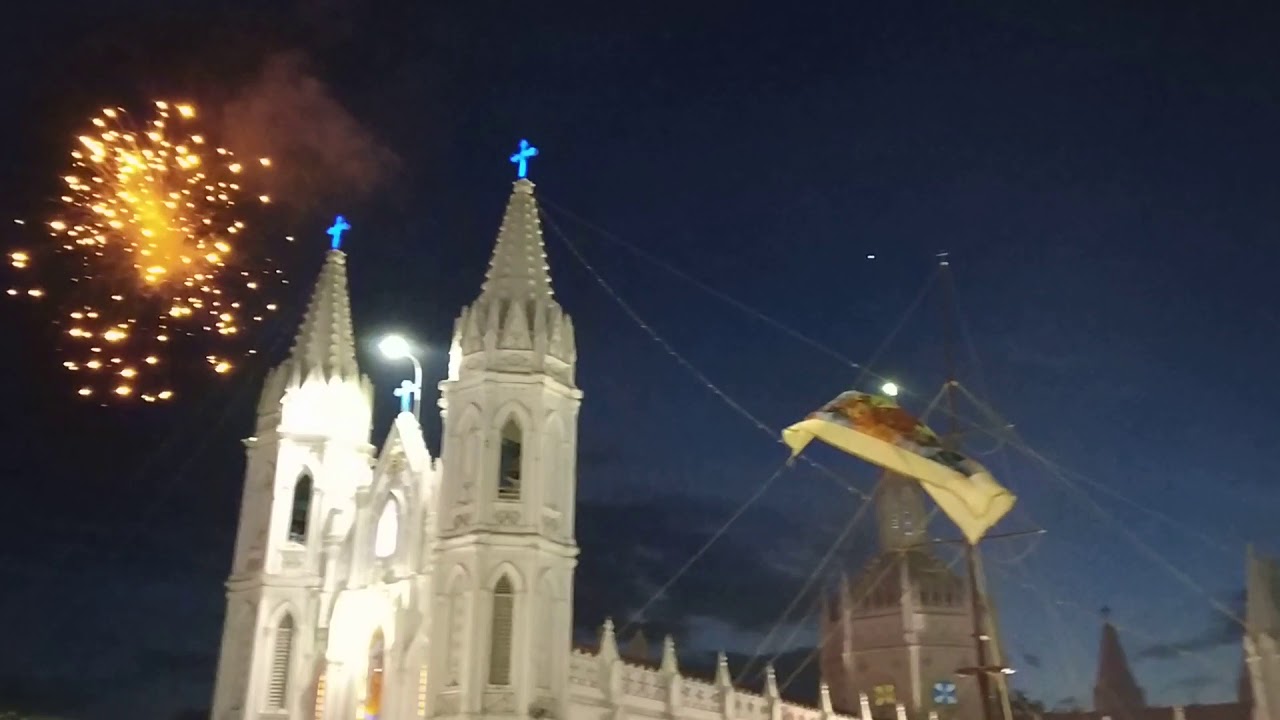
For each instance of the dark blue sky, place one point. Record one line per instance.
(1103, 177)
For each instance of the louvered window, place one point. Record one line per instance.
(281, 654)
(504, 601)
(301, 514)
(510, 457)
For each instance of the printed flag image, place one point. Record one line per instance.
(876, 429)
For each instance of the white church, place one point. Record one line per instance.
(386, 584)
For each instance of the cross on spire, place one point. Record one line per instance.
(340, 225)
(405, 392)
(521, 158)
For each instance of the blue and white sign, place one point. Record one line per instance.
(944, 693)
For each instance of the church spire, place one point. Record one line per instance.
(515, 325)
(322, 362)
(325, 342)
(1116, 691)
(518, 269)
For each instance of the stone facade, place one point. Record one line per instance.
(385, 583)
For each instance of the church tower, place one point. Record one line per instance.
(309, 452)
(900, 630)
(1116, 691)
(502, 621)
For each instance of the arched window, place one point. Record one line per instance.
(374, 678)
(301, 509)
(509, 459)
(281, 655)
(500, 632)
(388, 529)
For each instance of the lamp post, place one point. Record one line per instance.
(396, 347)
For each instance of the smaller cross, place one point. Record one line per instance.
(406, 392)
(944, 693)
(521, 159)
(340, 225)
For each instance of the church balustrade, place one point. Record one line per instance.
(634, 690)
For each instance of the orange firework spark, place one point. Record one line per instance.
(150, 212)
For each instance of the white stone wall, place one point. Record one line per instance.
(604, 688)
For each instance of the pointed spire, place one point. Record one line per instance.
(770, 681)
(722, 670)
(638, 646)
(669, 663)
(608, 641)
(518, 269)
(326, 341)
(1116, 691)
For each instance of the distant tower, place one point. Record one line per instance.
(1262, 634)
(309, 452)
(899, 631)
(506, 554)
(1115, 692)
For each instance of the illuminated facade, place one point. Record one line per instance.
(384, 583)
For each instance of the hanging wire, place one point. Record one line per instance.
(864, 368)
(804, 589)
(827, 636)
(1151, 553)
(724, 527)
(688, 366)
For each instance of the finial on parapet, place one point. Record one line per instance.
(608, 641)
(864, 707)
(722, 670)
(933, 715)
(770, 681)
(638, 646)
(824, 697)
(669, 663)
(1179, 713)
(902, 711)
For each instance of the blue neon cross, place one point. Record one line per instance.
(521, 159)
(944, 693)
(405, 392)
(340, 225)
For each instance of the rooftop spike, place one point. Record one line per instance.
(1116, 691)
(518, 268)
(325, 340)
(670, 664)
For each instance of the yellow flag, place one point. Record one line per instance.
(878, 431)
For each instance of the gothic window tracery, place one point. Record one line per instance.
(387, 532)
(281, 657)
(301, 512)
(510, 459)
(501, 631)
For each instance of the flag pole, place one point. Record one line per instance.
(983, 669)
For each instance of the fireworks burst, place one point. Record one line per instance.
(152, 223)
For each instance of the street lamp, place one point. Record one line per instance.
(396, 347)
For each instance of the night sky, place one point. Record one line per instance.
(1103, 177)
